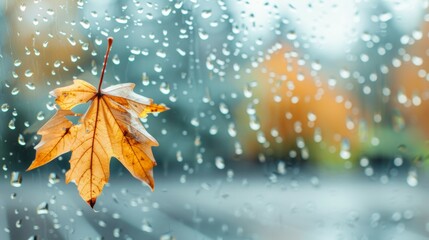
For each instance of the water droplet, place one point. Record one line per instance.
(247, 92)
(85, 23)
(135, 51)
(345, 149)
(316, 66)
(178, 4)
(317, 135)
(195, 122)
(16, 179)
(364, 162)
(254, 123)
(57, 64)
(172, 98)
(94, 14)
(167, 237)
(11, 124)
(179, 156)
(418, 61)
(98, 41)
(291, 35)
(157, 68)
(281, 167)
(71, 41)
(398, 161)
(166, 11)
(147, 227)
(385, 16)
(74, 58)
(412, 178)
(219, 162)
(21, 140)
(203, 34)
(181, 52)
(238, 150)
(402, 98)
(50, 106)
(161, 54)
(231, 130)
(30, 86)
(17, 63)
(416, 100)
(121, 20)
(345, 73)
(213, 130)
(28, 73)
(14, 91)
(50, 11)
(145, 79)
(43, 208)
(5, 107)
(40, 116)
(80, 3)
(54, 178)
(164, 88)
(117, 232)
(206, 14)
(223, 108)
(311, 117)
(116, 59)
(18, 223)
(102, 223)
(22, 7)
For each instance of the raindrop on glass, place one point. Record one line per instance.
(116, 59)
(219, 162)
(166, 11)
(16, 179)
(145, 79)
(5, 107)
(203, 34)
(40, 116)
(121, 20)
(164, 88)
(147, 227)
(21, 140)
(412, 178)
(43, 208)
(167, 237)
(30, 86)
(11, 124)
(15, 91)
(54, 178)
(161, 54)
(85, 23)
(206, 13)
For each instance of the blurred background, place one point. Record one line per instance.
(288, 119)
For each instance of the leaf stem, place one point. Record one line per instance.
(109, 46)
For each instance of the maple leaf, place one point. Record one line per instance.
(110, 128)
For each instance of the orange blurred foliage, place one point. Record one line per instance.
(410, 87)
(297, 110)
(42, 44)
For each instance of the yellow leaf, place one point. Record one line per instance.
(110, 128)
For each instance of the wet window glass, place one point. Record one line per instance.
(287, 119)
